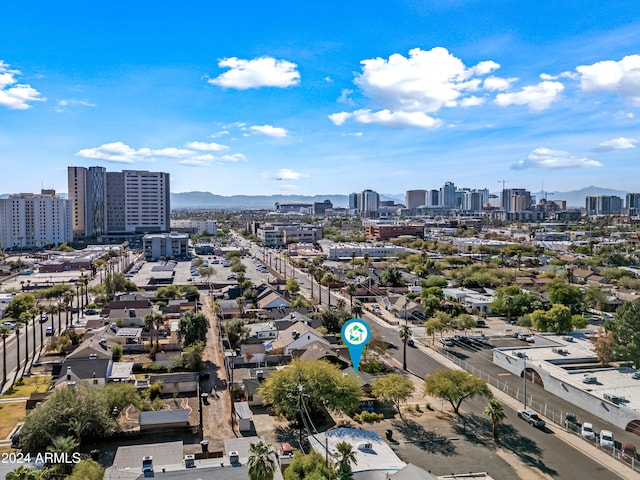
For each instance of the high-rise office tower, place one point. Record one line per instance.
(415, 198)
(632, 204)
(448, 195)
(369, 203)
(516, 200)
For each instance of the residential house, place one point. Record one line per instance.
(176, 382)
(92, 372)
(297, 336)
(272, 301)
(131, 316)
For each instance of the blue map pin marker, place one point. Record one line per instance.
(356, 334)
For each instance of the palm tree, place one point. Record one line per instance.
(62, 444)
(151, 322)
(405, 335)
(351, 290)
(356, 309)
(261, 463)
(346, 456)
(24, 473)
(67, 298)
(496, 414)
(4, 332)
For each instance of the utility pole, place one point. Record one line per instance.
(524, 376)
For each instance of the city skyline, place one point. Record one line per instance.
(323, 99)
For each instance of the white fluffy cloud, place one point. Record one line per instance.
(269, 131)
(120, 152)
(543, 157)
(498, 83)
(395, 119)
(14, 95)
(613, 76)
(409, 91)
(425, 81)
(207, 147)
(255, 73)
(620, 143)
(537, 97)
(288, 174)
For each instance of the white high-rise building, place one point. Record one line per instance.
(30, 220)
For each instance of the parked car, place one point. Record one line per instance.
(606, 439)
(91, 311)
(587, 431)
(531, 417)
(411, 342)
(9, 325)
(50, 331)
(43, 318)
(446, 342)
(628, 452)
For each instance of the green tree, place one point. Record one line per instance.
(595, 297)
(116, 352)
(434, 281)
(152, 321)
(495, 412)
(21, 305)
(192, 356)
(292, 286)
(261, 462)
(82, 406)
(24, 473)
(391, 277)
(464, 322)
(308, 467)
(237, 331)
(456, 386)
(393, 388)
(512, 302)
(87, 470)
(356, 309)
(301, 302)
(603, 345)
(565, 294)
(346, 456)
(432, 326)
(63, 444)
(625, 330)
(322, 381)
(193, 327)
(557, 319)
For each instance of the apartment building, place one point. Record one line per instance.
(380, 232)
(603, 205)
(30, 220)
(116, 203)
(415, 199)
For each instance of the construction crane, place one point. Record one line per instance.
(503, 182)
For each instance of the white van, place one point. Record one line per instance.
(606, 439)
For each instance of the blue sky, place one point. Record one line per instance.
(322, 97)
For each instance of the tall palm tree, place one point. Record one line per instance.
(356, 309)
(261, 462)
(18, 347)
(151, 322)
(405, 335)
(346, 456)
(351, 290)
(4, 333)
(496, 414)
(67, 298)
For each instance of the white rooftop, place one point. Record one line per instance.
(371, 451)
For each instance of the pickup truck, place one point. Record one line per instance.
(531, 417)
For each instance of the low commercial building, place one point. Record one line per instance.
(381, 232)
(345, 251)
(167, 245)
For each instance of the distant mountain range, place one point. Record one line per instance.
(574, 198)
(208, 200)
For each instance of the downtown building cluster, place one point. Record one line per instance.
(101, 206)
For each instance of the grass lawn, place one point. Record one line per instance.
(10, 414)
(37, 383)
